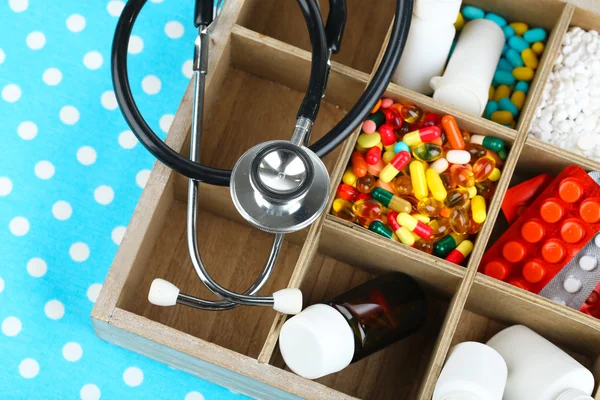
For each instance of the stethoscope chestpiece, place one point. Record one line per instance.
(279, 187)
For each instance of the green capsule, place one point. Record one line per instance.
(503, 154)
(445, 245)
(489, 142)
(427, 152)
(380, 228)
(378, 118)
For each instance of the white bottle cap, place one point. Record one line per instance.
(461, 91)
(317, 342)
(574, 394)
(444, 11)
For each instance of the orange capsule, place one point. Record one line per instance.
(342, 208)
(376, 108)
(359, 164)
(430, 207)
(453, 132)
(459, 220)
(367, 208)
(403, 185)
(462, 176)
(366, 183)
(483, 168)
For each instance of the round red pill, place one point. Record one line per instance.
(496, 269)
(553, 251)
(551, 211)
(589, 211)
(533, 231)
(569, 190)
(534, 271)
(514, 251)
(519, 283)
(572, 231)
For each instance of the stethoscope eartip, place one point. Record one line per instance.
(288, 301)
(163, 293)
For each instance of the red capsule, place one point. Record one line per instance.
(373, 155)
(393, 117)
(347, 192)
(388, 137)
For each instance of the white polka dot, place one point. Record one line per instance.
(174, 29)
(165, 122)
(79, 252)
(44, 170)
(151, 84)
(127, 140)
(93, 60)
(69, 115)
(133, 376)
(5, 186)
(2, 56)
(194, 396)
(89, 392)
(142, 178)
(19, 226)
(1, 285)
(52, 76)
(18, 5)
(117, 234)
(36, 40)
(11, 93)
(188, 69)
(104, 194)
(136, 45)
(93, 292)
(62, 210)
(115, 7)
(108, 100)
(37, 267)
(86, 155)
(54, 309)
(75, 23)
(72, 351)
(29, 368)
(11, 326)
(27, 130)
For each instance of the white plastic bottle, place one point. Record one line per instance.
(539, 370)
(473, 371)
(428, 44)
(469, 73)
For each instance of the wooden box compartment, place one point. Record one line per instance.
(258, 70)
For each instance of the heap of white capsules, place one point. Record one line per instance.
(569, 114)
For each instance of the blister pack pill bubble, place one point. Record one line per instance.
(548, 236)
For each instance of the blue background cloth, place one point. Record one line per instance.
(71, 173)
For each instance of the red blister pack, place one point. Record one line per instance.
(592, 304)
(519, 197)
(555, 227)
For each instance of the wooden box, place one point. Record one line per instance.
(259, 68)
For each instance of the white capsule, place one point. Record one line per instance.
(440, 165)
(458, 157)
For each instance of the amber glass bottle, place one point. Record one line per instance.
(327, 337)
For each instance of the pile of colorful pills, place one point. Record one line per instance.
(516, 69)
(419, 179)
(569, 114)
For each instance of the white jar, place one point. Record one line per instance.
(473, 371)
(428, 44)
(539, 370)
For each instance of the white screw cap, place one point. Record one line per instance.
(163, 293)
(288, 301)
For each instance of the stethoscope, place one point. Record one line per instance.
(278, 186)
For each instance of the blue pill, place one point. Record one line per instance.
(522, 86)
(535, 35)
(505, 48)
(506, 105)
(504, 78)
(514, 58)
(470, 12)
(508, 32)
(504, 65)
(517, 43)
(497, 19)
(490, 108)
(401, 146)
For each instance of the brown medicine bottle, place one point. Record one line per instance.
(327, 337)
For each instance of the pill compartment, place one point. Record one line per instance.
(366, 27)
(348, 257)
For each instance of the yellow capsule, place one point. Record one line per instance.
(538, 48)
(465, 248)
(418, 179)
(435, 184)
(367, 141)
(406, 236)
(502, 91)
(530, 58)
(520, 28)
(417, 237)
(472, 191)
(523, 73)
(412, 139)
(478, 209)
(495, 175)
(503, 117)
(395, 237)
(518, 99)
(387, 156)
(491, 92)
(423, 218)
(358, 147)
(460, 22)
(349, 178)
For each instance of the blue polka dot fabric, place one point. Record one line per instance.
(71, 173)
